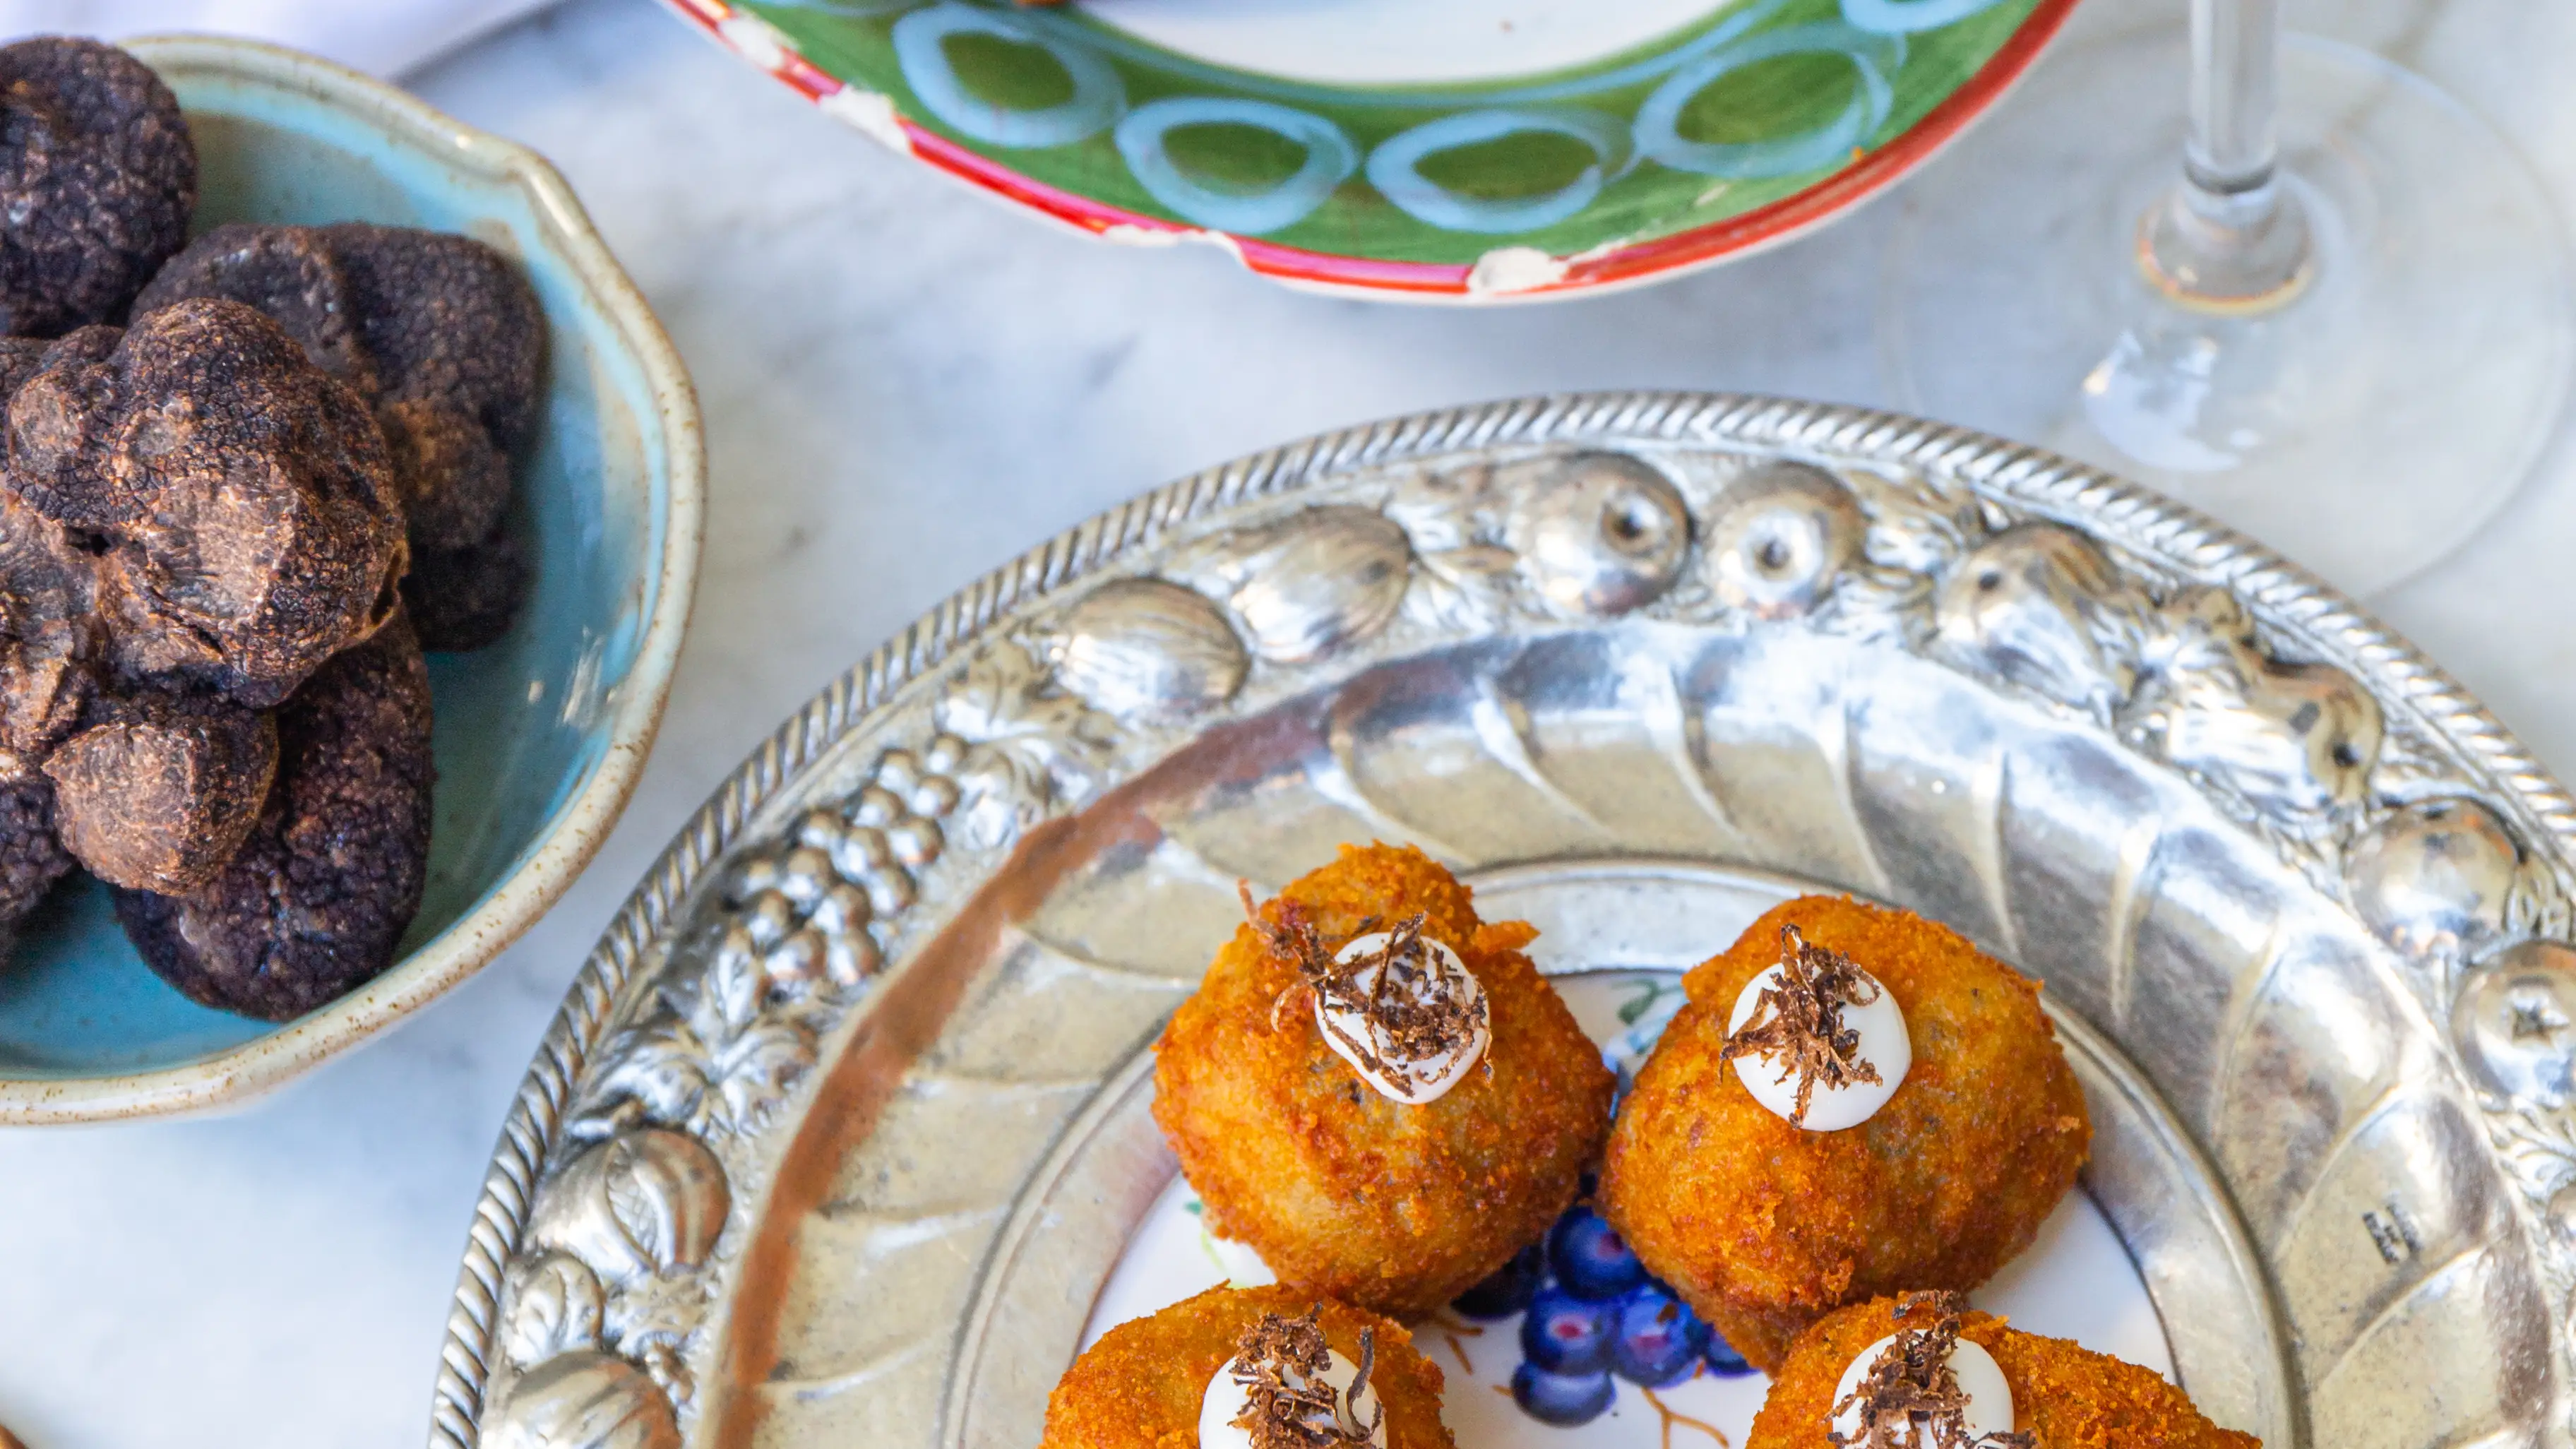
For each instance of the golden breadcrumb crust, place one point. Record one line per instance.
(1142, 1384)
(1763, 1226)
(2068, 1397)
(1394, 1206)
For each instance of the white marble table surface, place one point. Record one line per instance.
(906, 384)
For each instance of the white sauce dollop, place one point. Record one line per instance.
(1429, 1079)
(1981, 1381)
(1226, 1399)
(1884, 1044)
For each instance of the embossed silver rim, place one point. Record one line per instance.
(2419, 878)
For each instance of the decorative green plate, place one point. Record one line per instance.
(1469, 149)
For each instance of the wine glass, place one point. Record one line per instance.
(2345, 331)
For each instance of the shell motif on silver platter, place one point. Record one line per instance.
(643, 1202)
(554, 1305)
(2435, 876)
(2039, 605)
(1314, 582)
(583, 1400)
(2291, 739)
(1598, 534)
(1149, 650)
(2515, 1022)
(1779, 536)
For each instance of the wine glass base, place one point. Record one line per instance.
(2367, 426)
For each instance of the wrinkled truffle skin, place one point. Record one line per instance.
(447, 320)
(50, 644)
(31, 858)
(286, 273)
(245, 499)
(456, 482)
(97, 178)
(444, 339)
(317, 898)
(465, 598)
(50, 401)
(19, 359)
(158, 793)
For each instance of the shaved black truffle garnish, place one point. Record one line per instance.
(317, 898)
(97, 178)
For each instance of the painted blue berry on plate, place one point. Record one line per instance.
(1589, 1257)
(1564, 1400)
(1655, 1339)
(1564, 1334)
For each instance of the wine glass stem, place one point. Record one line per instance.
(2235, 81)
(2229, 237)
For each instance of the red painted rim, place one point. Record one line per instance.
(1663, 256)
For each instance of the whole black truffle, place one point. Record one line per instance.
(242, 500)
(317, 898)
(444, 338)
(158, 791)
(448, 321)
(97, 178)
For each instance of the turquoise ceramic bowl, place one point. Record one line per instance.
(539, 737)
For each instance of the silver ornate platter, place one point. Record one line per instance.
(836, 1138)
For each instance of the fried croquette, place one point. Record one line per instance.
(1142, 1385)
(2064, 1396)
(1395, 1206)
(1763, 1226)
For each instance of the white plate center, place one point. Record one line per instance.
(1393, 42)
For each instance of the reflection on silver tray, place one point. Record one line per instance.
(778, 1165)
